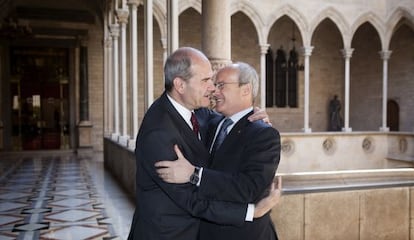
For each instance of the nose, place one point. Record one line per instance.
(215, 92)
(211, 86)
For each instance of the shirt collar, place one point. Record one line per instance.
(237, 116)
(184, 112)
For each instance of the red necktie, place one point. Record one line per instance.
(194, 122)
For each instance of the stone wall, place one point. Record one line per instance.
(385, 213)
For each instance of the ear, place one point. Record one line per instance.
(179, 85)
(246, 89)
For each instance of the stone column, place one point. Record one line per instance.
(263, 51)
(108, 96)
(165, 50)
(122, 15)
(385, 55)
(149, 53)
(84, 126)
(307, 52)
(216, 32)
(134, 71)
(172, 26)
(115, 80)
(84, 85)
(347, 53)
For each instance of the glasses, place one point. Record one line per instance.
(220, 85)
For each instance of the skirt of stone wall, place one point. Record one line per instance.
(120, 161)
(384, 213)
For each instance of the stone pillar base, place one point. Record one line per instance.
(307, 130)
(115, 137)
(346, 129)
(384, 129)
(85, 134)
(123, 140)
(131, 144)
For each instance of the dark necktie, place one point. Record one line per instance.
(194, 122)
(221, 135)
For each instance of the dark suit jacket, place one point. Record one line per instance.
(241, 170)
(165, 211)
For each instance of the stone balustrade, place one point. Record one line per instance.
(356, 185)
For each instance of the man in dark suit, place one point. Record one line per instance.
(163, 210)
(243, 166)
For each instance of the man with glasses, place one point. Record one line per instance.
(244, 156)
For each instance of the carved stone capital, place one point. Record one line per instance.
(385, 55)
(122, 15)
(347, 52)
(307, 51)
(114, 29)
(133, 3)
(264, 48)
(217, 64)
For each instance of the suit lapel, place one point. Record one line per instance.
(186, 133)
(233, 136)
(212, 128)
(235, 132)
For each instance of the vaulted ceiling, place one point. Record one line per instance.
(55, 19)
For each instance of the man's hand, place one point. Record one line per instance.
(178, 171)
(259, 114)
(267, 203)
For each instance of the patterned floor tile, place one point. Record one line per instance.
(76, 232)
(72, 215)
(30, 227)
(71, 202)
(56, 197)
(13, 195)
(8, 236)
(7, 219)
(9, 206)
(36, 210)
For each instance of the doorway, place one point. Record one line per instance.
(40, 97)
(393, 115)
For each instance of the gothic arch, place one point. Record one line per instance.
(375, 21)
(339, 21)
(185, 4)
(394, 20)
(160, 17)
(252, 15)
(297, 18)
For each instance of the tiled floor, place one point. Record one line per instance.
(61, 197)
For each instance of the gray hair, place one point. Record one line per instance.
(179, 64)
(247, 74)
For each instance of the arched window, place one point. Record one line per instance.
(282, 78)
(270, 86)
(292, 79)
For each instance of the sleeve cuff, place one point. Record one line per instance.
(200, 175)
(250, 212)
